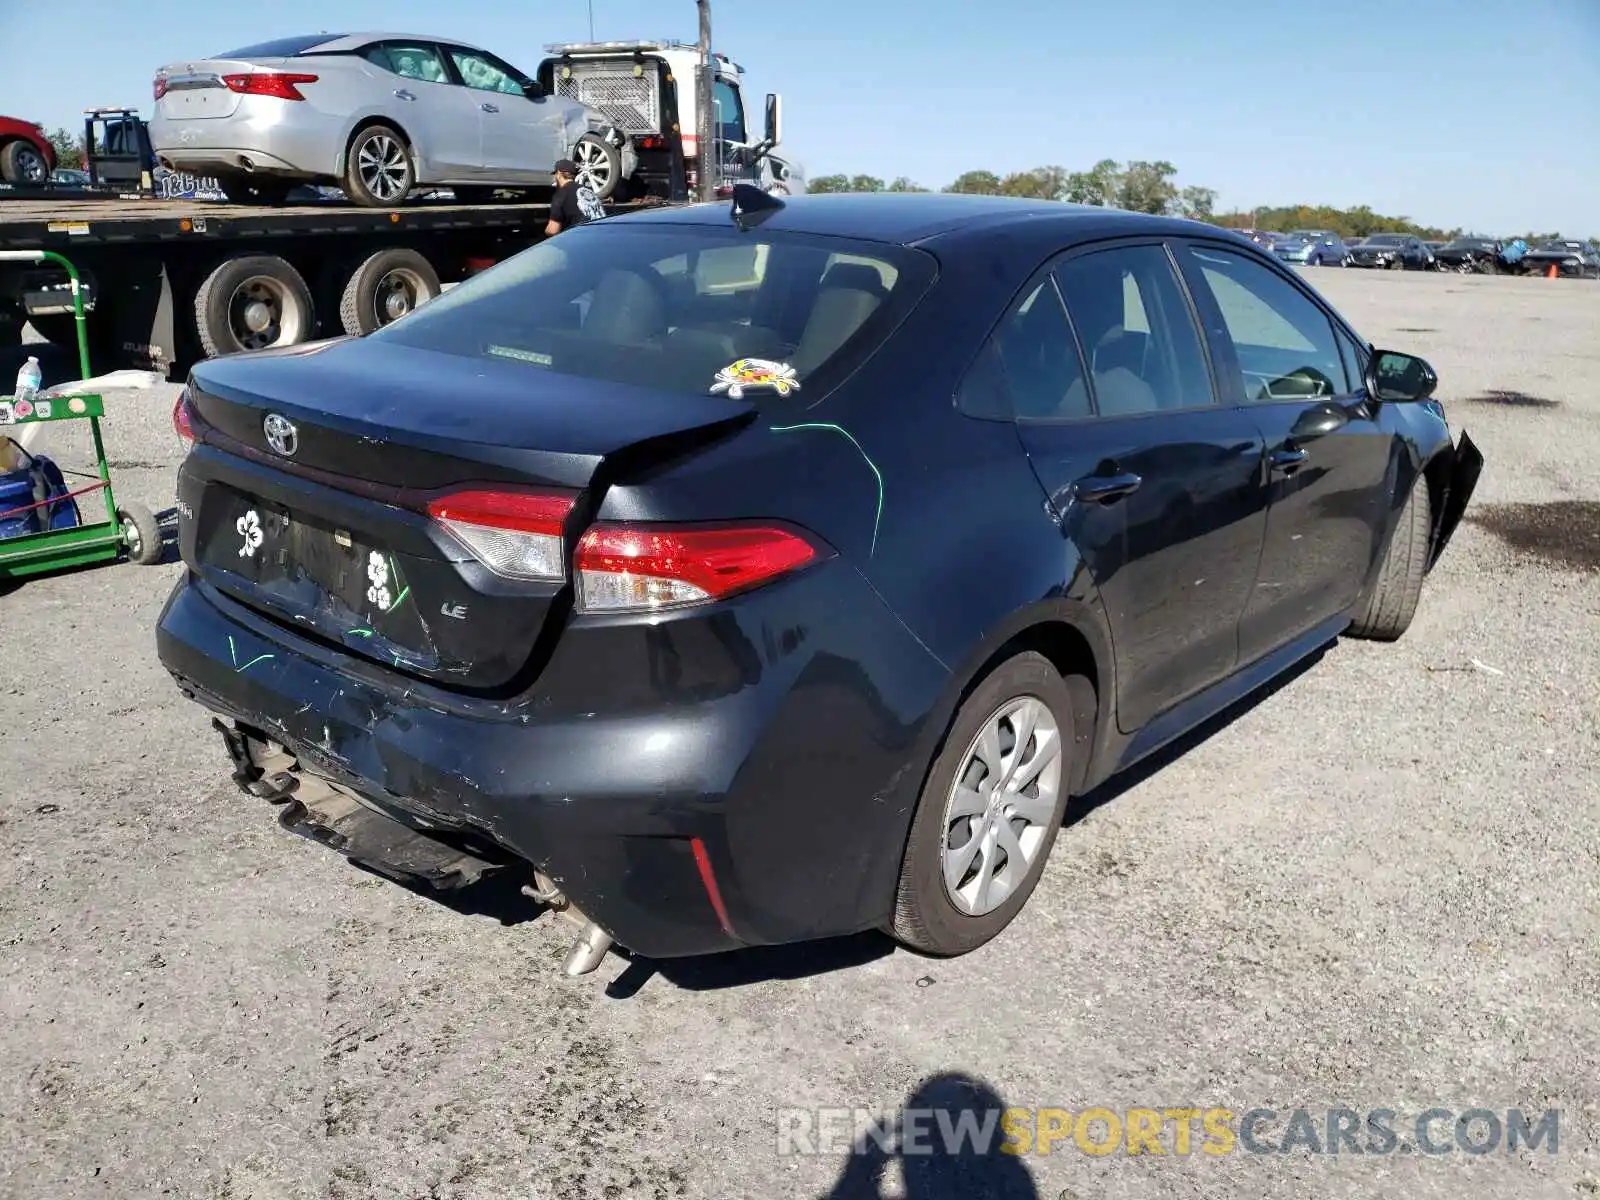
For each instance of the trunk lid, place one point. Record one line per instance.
(196, 91)
(327, 530)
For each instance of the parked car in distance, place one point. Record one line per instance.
(378, 115)
(1312, 248)
(709, 609)
(1391, 251)
(1470, 255)
(26, 156)
(69, 177)
(1260, 237)
(1568, 256)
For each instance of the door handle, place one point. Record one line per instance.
(1103, 489)
(488, 108)
(403, 94)
(1289, 460)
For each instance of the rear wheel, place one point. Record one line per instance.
(21, 163)
(378, 170)
(251, 303)
(599, 165)
(248, 189)
(384, 288)
(989, 811)
(1393, 600)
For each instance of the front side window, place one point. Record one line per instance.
(1284, 343)
(677, 308)
(1138, 336)
(486, 73)
(729, 112)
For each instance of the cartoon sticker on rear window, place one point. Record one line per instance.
(748, 373)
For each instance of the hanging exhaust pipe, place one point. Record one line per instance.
(588, 952)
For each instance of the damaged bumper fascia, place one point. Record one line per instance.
(1466, 465)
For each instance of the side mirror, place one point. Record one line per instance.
(1393, 376)
(773, 136)
(532, 89)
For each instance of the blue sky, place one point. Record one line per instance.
(1481, 113)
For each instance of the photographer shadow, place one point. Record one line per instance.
(954, 1152)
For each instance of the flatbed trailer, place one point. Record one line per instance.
(169, 282)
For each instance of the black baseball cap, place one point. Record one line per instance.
(565, 166)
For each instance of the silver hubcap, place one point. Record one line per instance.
(131, 538)
(32, 166)
(263, 314)
(1001, 805)
(398, 292)
(381, 163)
(594, 166)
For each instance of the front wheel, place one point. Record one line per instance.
(1393, 600)
(989, 812)
(599, 165)
(378, 171)
(21, 163)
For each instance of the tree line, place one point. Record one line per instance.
(1152, 187)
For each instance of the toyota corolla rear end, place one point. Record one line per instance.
(480, 593)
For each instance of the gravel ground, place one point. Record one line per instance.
(1374, 889)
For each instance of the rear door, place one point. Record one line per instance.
(1154, 483)
(1329, 461)
(523, 135)
(442, 119)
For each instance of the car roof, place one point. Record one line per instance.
(907, 218)
(337, 42)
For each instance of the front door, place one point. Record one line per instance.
(1156, 486)
(1329, 462)
(524, 132)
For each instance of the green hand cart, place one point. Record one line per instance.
(128, 529)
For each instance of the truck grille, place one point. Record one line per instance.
(631, 103)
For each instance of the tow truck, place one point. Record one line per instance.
(646, 89)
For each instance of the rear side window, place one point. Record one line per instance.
(680, 308)
(282, 48)
(1039, 358)
(1143, 350)
(409, 61)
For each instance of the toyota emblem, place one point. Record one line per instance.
(282, 436)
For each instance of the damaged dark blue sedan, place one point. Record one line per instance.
(746, 577)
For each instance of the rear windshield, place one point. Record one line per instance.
(679, 308)
(282, 48)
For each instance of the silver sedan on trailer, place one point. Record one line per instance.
(377, 114)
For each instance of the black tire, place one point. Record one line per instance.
(249, 189)
(227, 324)
(925, 918)
(364, 182)
(599, 165)
(1393, 600)
(141, 533)
(384, 288)
(22, 164)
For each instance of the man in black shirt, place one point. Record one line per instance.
(574, 203)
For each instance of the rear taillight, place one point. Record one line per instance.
(623, 568)
(517, 535)
(159, 86)
(283, 85)
(651, 141)
(180, 417)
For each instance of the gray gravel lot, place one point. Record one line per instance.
(1375, 889)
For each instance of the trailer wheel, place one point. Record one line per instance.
(250, 303)
(141, 534)
(20, 162)
(378, 170)
(599, 164)
(384, 288)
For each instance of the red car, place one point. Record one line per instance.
(25, 152)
